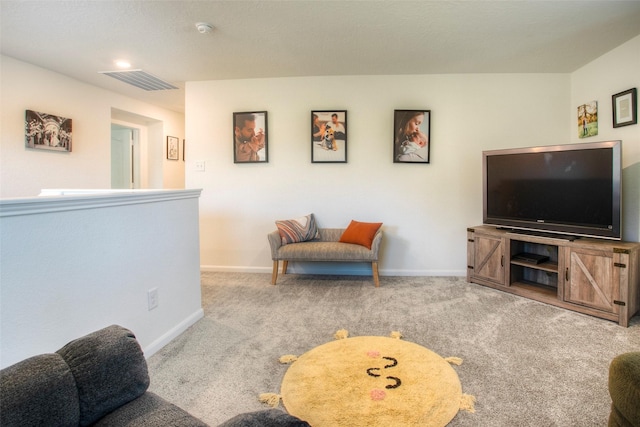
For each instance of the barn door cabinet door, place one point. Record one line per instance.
(589, 279)
(486, 257)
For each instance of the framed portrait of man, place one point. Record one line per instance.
(250, 139)
(329, 136)
(411, 136)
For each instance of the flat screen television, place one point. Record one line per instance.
(572, 190)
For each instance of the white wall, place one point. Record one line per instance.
(23, 172)
(614, 72)
(425, 208)
(75, 264)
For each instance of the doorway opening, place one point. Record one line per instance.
(125, 157)
(136, 151)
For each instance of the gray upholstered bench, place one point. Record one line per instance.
(327, 248)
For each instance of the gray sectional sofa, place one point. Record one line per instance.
(100, 379)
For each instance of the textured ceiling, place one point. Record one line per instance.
(257, 39)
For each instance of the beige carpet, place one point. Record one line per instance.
(373, 381)
(527, 363)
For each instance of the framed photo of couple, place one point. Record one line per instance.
(411, 139)
(329, 136)
(250, 138)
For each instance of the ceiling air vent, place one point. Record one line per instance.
(140, 79)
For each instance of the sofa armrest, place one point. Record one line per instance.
(109, 370)
(375, 244)
(275, 242)
(624, 389)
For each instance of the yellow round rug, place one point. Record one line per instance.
(373, 381)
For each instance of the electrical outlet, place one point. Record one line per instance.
(200, 166)
(152, 298)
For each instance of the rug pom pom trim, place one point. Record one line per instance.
(454, 360)
(271, 399)
(467, 403)
(287, 359)
(396, 335)
(341, 334)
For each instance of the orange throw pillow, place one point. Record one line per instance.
(360, 233)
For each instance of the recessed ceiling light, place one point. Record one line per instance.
(121, 63)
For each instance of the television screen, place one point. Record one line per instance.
(569, 189)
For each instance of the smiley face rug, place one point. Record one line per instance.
(372, 381)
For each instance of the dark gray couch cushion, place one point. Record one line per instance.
(149, 410)
(39, 391)
(266, 418)
(109, 370)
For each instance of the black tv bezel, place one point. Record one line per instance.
(561, 229)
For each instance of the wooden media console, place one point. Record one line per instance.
(590, 276)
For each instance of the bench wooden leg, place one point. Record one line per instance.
(274, 275)
(376, 278)
(285, 264)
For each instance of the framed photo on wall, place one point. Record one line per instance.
(411, 136)
(588, 119)
(250, 138)
(173, 147)
(47, 132)
(625, 108)
(329, 136)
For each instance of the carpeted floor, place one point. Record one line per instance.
(527, 363)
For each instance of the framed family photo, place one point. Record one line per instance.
(47, 132)
(625, 108)
(250, 138)
(329, 136)
(411, 139)
(173, 148)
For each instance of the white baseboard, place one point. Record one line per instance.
(172, 333)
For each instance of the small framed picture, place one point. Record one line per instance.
(47, 132)
(625, 108)
(250, 138)
(173, 144)
(588, 119)
(329, 136)
(411, 136)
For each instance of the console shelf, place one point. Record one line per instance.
(590, 276)
(551, 267)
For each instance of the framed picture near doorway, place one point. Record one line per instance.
(329, 136)
(173, 148)
(411, 136)
(45, 131)
(250, 138)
